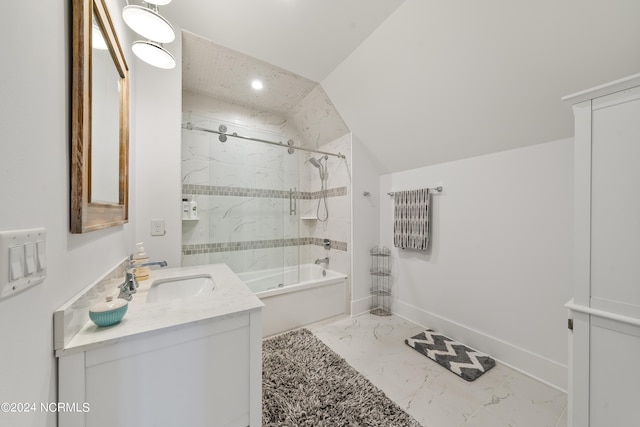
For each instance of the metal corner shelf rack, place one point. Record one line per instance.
(380, 281)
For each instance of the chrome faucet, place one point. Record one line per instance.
(130, 284)
(322, 260)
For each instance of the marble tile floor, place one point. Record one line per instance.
(435, 397)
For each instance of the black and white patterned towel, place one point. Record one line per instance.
(411, 229)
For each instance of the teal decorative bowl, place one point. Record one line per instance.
(109, 312)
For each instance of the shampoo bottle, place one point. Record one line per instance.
(185, 208)
(140, 257)
(193, 208)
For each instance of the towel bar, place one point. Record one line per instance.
(438, 189)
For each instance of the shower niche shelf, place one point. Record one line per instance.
(380, 281)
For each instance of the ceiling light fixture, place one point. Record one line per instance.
(145, 20)
(257, 84)
(153, 54)
(148, 23)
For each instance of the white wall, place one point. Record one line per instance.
(446, 80)
(498, 270)
(34, 189)
(366, 223)
(157, 181)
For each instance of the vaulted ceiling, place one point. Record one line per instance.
(421, 82)
(217, 72)
(306, 37)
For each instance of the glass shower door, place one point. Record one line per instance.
(291, 218)
(247, 192)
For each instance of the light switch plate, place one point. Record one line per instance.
(20, 251)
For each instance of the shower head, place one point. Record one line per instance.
(316, 162)
(322, 169)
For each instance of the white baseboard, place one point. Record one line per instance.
(534, 365)
(360, 306)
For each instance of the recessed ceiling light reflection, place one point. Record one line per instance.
(257, 84)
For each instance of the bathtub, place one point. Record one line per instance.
(318, 294)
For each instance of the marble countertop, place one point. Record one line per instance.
(230, 297)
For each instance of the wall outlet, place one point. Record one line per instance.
(157, 227)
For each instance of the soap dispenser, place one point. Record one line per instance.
(140, 257)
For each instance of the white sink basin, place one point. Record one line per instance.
(163, 290)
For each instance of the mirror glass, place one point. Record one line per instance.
(105, 120)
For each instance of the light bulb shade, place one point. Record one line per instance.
(97, 40)
(148, 23)
(153, 54)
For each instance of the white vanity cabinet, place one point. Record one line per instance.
(185, 361)
(604, 380)
(201, 374)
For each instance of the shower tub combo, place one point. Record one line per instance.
(319, 294)
(253, 211)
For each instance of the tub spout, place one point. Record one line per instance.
(322, 260)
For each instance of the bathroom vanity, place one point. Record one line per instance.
(173, 360)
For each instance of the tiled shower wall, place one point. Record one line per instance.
(239, 187)
(338, 226)
(242, 188)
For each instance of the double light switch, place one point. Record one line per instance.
(23, 260)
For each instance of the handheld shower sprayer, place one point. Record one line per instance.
(322, 171)
(321, 168)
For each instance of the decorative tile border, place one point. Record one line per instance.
(331, 192)
(205, 248)
(215, 190)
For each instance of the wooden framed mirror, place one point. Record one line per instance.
(100, 121)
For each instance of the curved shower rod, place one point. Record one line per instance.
(288, 145)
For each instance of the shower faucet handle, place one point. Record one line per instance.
(327, 243)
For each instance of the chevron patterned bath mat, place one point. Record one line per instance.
(458, 358)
